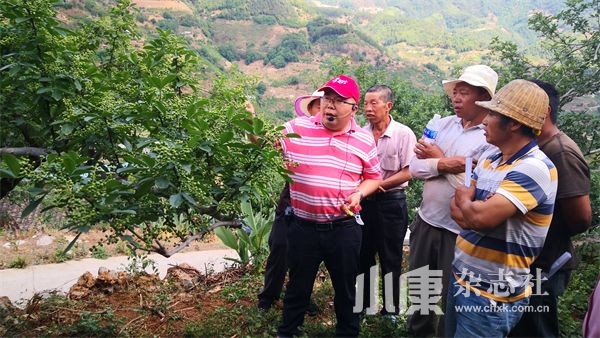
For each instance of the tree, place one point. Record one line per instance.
(119, 136)
(571, 41)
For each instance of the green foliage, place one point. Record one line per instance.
(96, 324)
(570, 41)
(265, 19)
(250, 241)
(127, 137)
(229, 51)
(595, 197)
(251, 56)
(287, 51)
(18, 262)
(99, 252)
(573, 304)
(583, 128)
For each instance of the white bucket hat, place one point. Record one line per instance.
(301, 104)
(478, 76)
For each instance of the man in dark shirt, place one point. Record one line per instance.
(572, 215)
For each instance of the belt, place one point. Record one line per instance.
(392, 194)
(326, 226)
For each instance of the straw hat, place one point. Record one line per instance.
(478, 76)
(302, 102)
(522, 101)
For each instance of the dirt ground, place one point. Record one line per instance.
(22, 248)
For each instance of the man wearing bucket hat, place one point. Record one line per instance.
(504, 214)
(433, 232)
(334, 165)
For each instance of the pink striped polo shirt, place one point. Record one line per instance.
(327, 167)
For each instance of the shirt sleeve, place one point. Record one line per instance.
(407, 148)
(371, 167)
(424, 169)
(526, 185)
(284, 141)
(573, 174)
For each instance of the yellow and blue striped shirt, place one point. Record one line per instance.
(496, 263)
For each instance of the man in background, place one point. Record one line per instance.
(276, 266)
(385, 212)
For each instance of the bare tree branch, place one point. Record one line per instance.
(198, 235)
(25, 151)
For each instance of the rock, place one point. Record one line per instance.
(83, 287)
(6, 304)
(184, 274)
(44, 240)
(87, 280)
(13, 244)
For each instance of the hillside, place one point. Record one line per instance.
(287, 43)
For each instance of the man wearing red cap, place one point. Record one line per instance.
(334, 166)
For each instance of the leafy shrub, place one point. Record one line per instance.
(573, 304)
(250, 241)
(287, 51)
(99, 252)
(251, 56)
(18, 262)
(229, 51)
(265, 20)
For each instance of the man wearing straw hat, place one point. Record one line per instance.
(572, 216)
(433, 232)
(504, 214)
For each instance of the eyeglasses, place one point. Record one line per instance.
(336, 101)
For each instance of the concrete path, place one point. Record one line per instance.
(19, 285)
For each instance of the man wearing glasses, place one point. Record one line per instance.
(334, 166)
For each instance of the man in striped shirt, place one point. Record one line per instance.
(505, 216)
(334, 165)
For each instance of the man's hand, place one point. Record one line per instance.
(353, 203)
(250, 108)
(457, 215)
(464, 194)
(424, 150)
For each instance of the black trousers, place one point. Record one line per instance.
(338, 248)
(542, 323)
(386, 219)
(277, 266)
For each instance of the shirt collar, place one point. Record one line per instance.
(388, 131)
(458, 120)
(519, 153)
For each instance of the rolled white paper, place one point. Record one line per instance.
(468, 168)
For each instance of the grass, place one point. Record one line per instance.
(224, 305)
(18, 262)
(99, 252)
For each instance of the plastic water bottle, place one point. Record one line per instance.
(431, 129)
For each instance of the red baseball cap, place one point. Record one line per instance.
(345, 87)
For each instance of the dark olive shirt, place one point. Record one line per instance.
(573, 180)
